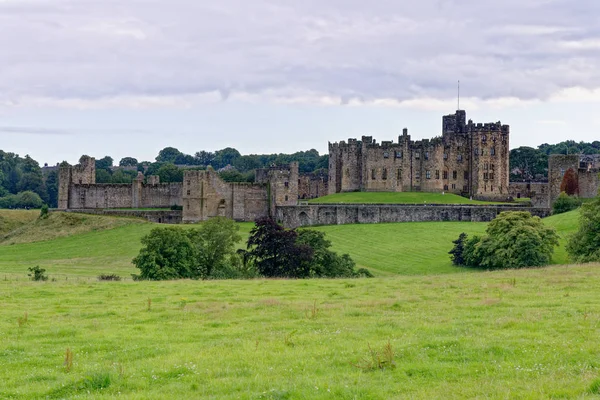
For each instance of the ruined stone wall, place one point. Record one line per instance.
(161, 195)
(558, 164)
(206, 195)
(102, 195)
(308, 215)
(312, 186)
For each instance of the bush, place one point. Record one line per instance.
(44, 212)
(584, 245)
(109, 277)
(458, 249)
(26, 199)
(37, 274)
(513, 240)
(565, 203)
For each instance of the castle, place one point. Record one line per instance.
(469, 159)
(202, 194)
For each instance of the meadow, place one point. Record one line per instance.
(421, 329)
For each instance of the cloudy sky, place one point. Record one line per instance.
(129, 77)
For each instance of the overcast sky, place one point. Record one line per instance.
(130, 77)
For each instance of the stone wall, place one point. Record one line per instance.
(157, 216)
(317, 214)
(311, 186)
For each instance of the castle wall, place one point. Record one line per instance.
(558, 164)
(161, 195)
(102, 195)
(317, 214)
(312, 186)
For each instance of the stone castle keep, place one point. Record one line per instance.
(469, 159)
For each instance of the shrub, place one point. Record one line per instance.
(513, 240)
(37, 274)
(458, 249)
(565, 203)
(44, 212)
(109, 277)
(584, 245)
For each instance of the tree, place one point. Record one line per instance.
(168, 154)
(214, 241)
(170, 173)
(458, 249)
(225, 157)
(513, 240)
(168, 253)
(569, 183)
(275, 252)
(128, 162)
(52, 188)
(584, 245)
(204, 157)
(104, 163)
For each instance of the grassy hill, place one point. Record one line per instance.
(13, 219)
(396, 198)
(90, 245)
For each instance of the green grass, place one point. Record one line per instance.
(13, 219)
(522, 334)
(397, 198)
(411, 248)
(526, 334)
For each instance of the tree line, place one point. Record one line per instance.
(528, 163)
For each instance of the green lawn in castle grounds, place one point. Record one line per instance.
(520, 334)
(412, 248)
(397, 198)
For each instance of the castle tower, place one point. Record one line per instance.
(83, 173)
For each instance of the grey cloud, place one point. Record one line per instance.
(346, 48)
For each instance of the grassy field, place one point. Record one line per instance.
(13, 219)
(87, 245)
(397, 198)
(525, 334)
(423, 329)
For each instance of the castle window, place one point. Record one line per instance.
(491, 176)
(465, 188)
(298, 181)
(373, 174)
(399, 174)
(384, 174)
(428, 174)
(492, 167)
(189, 183)
(485, 176)
(437, 174)
(491, 188)
(417, 155)
(454, 175)
(386, 155)
(466, 174)
(189, 192)
(476, 151)
(486, 166)
(80, 181)
(286, 184)
(459, 158)
(483, 138)
(445, 187)
(493, 151)
(286, 197)
(418, 175)
(445, 156)
(427, 155)
(453, 186)
(445, 174)
(399, 154)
